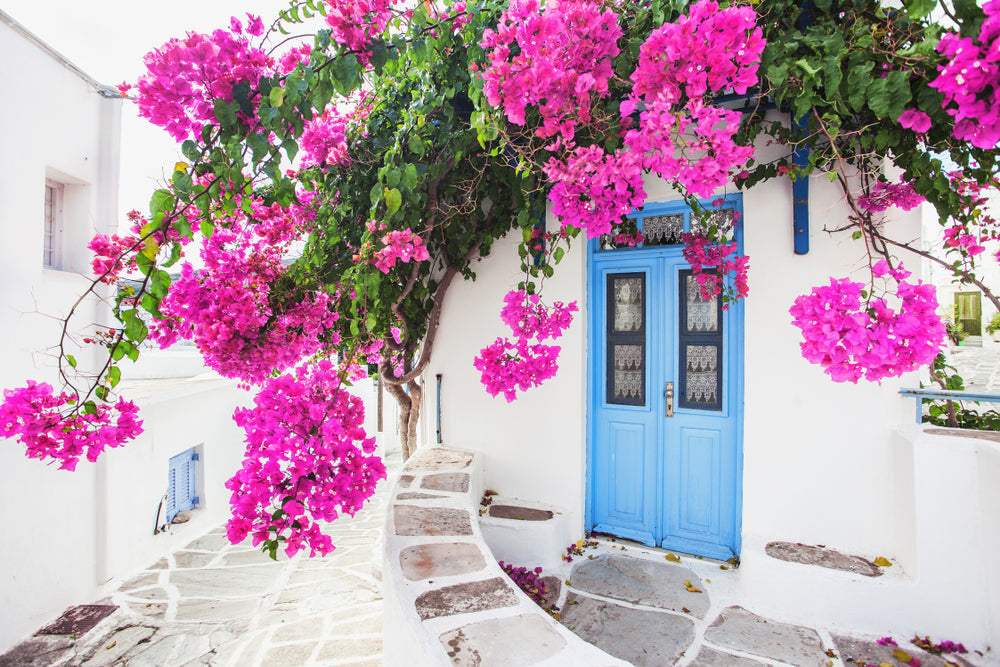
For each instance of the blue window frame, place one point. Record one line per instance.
(181, 489)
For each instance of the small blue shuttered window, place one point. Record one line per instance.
(181, 493)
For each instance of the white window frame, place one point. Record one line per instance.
(52, 224)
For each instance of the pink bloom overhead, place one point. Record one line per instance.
(324, 141)
(970, 81)
(712, 267)
(508, 366)
(307, 460)
(563, 56)
(47, 426)
(357, 23)
(227, 309)
(402, 245)
(917, 121)
(593, 190)
(185, 77)
(703, 54)
(528, 317)
(112, 255)
(852, 338)
(883, 195)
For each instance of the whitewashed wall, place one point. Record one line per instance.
(820, 462)
(53, 124)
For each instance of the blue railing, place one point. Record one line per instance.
(945, 395)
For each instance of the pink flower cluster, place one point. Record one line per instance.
(854, 338)
(594, 189)
(51, 427)
(711, 265)
(528, 317)
(185, 76)
(704, 53)
(228, 312)
(402, 245)
(508, 366)
(324, 141)
(883, 195)
(562, 55)
(356, 23)
(112, 255)
(307, 460)
(970, 81)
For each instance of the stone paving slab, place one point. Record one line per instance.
(425, 561)
(741, 630)
(466, 598)
(832, 559)
(437, 459)
(454, 482)
(709, 657)
(489, 642)
(411, 520)
(642, 637)
(642, 582)
(854, 651)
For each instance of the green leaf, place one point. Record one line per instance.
(225, 113)
(858, 80)
(114, 376)
(416, 145)
(102, 392)
(557, 255)
(889, 95)
(393, 200)
(135, 328)
(410, 176)
(71, 360)
(392, 177)
(181, 181)
(919, 8)
(161, 201)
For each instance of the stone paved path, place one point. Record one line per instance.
(213, 603)
(978, 366)
(639, 607)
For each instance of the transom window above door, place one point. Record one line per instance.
(659, 225)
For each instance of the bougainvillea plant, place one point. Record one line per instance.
(336, 185)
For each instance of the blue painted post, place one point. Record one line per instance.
(800, 193)
(438, 378)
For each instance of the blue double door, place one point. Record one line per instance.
(666, 371)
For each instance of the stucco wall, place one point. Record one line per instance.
(534, 447)
(54, 125)
(816, 454)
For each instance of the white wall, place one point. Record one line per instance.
(53, 124)
(816, 453)
(535, 447)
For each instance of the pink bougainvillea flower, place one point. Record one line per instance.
(917, 121)
(854, 338)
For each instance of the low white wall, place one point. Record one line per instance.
(947, 582)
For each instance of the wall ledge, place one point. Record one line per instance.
(446, 600)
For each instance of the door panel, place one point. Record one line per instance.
(672, 481)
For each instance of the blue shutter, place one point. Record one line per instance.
(181, 483)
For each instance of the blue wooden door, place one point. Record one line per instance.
(666, 396)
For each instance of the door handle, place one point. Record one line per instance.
(668, 395)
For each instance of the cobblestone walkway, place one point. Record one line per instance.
(654, 613)
(978, 366)
(214, 603)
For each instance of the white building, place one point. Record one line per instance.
(67, 535)
(774, 452)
